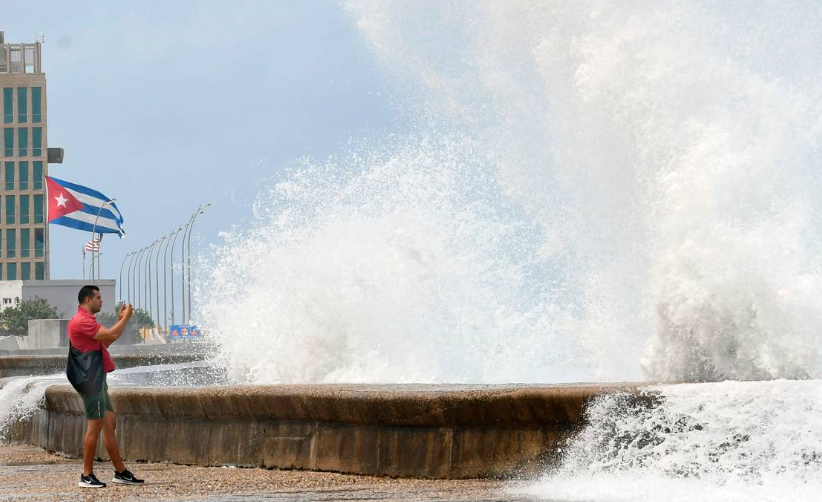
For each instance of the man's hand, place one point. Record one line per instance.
(127, 311)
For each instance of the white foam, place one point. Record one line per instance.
(719, 441)
(20, 398)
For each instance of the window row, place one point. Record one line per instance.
(25, 271)
(10, 243)
(22, 142)
(23, 177)
(22, 102)
(22, 209)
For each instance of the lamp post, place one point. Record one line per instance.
(157, 277)
(138, 275)
(120, 290)
(184, 269)
(128, 274)
(148, 277)
(165, 281)
(200, 210)
(173, 243)
(93, 231)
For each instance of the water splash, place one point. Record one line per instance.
(639, 189)
(723, 441)
(400, 264)
(19, 400)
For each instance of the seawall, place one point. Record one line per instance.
(37, 364)
(429, 431)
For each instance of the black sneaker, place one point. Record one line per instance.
(90, 481)
(126, 478)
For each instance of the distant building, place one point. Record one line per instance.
(24, 159)
(61, 294)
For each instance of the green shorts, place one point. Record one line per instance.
(97, 404)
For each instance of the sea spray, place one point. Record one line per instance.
(717, 441)
(639, 200)
(404, 264)
(20, 398)
(670, 151)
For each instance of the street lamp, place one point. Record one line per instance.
(157, 277)
(138, 278)
(120, 295)
(148, 277)
(128, 274)
(165, 281)
(200, 210)
(173, 243)
(93, 231)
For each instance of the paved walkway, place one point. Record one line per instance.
(31, 474)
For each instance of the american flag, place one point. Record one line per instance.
(93, 245)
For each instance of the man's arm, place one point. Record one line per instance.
(110, 335)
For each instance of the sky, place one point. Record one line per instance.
(168, 105)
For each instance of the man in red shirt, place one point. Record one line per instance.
(87, 337)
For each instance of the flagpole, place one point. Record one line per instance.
(93, 230)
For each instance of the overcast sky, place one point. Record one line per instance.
(166, 105)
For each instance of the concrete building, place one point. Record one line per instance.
(61, 294)
(24, 155)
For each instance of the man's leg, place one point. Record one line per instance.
(110, 441)
(90, 445)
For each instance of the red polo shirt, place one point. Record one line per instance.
(81, 330)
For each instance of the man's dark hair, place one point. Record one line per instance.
(86, 292)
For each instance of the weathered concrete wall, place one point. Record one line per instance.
(395, 430)
(45, 334)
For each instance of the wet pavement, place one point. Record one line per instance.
(31, 474)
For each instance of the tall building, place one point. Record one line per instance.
(24, 155)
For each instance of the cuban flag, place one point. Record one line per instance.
(76, 206)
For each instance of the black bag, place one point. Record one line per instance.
(85, 370)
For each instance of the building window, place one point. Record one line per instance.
(38, 209)
(25, 271)
(38, 175)
(25, 243)
(11, 272)
(8, 141)
(39, 271)
(9, 176)
(24, 209)
(6, 301)
(22, 105)
(36, 105)
(23, 141)
(10, 212)
(37, 141)
(11, 243)
(39, 242)
(8, 105)
(23, 168)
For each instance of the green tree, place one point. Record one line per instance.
(15, 321)
(140, 319)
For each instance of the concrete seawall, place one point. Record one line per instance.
(430, 431)
(49, 364)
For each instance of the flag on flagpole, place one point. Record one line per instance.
(93, 245)
(79, 207)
